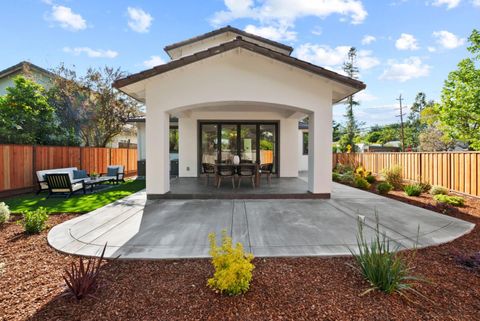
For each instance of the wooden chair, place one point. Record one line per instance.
(61, 184)
(208, 169)
(225, 171)
(267, 169)
(246, 171)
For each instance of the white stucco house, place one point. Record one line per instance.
(236, 93)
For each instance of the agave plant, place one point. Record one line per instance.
(381, 264)
(82, 278)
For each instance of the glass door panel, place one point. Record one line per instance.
(209, 143)
(228, 142)
(268, 146)
(248, 143)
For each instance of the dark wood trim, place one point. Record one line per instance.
(224, 30)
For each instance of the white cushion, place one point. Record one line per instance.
(68, 170)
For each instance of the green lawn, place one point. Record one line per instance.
(77, 203)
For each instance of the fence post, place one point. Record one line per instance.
(34, 163)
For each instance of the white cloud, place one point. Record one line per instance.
(407, 69)
(273, 33)
(317, 31)
(67, 19)
(285, 12)
(368, 39)
(406, 42)
(476, 3)
(449, 3)
(431, 49)
(92, 53)
(365, 96)
(448, 40)
(333, 58)
(139, 20)
(153, 61)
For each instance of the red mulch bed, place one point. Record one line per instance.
(283, 289)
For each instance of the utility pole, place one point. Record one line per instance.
(402, 133)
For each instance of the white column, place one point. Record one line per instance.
(157, 151)
(320, 150)
(288, 147)
(187, 147)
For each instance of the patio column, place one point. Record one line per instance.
(320, 150)
(157, 151)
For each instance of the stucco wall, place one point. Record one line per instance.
(235, 76)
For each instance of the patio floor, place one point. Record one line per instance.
(280, 188)
(135, 228)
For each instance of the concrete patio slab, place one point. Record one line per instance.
(135, 228)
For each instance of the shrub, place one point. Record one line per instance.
(361, 183)
(426, 187)
(4, 213)
(233, 267)
(371, 179)
(384, 187)
(82, 279)
(362, 172)
(451, 200)
(336, 177)
(341, 168)
(348, 178)
(393, 176)
(383, 268)
(34, 221)
(438, 190)
(413, 190)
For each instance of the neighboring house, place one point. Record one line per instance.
(28, 70)
(235, 93)
(45, 78)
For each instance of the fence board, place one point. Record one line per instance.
(457, 171)
(18, 163)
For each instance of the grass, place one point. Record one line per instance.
(77, 203)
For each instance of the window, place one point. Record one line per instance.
(305, 143)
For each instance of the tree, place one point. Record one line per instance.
(414, 124)
(26, 117)
(90, 106)
(337, 131)
(459, 110)
(433, 140)
(351, 126)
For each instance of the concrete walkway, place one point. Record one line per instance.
(137, 229)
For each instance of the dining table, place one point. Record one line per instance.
(236, 166)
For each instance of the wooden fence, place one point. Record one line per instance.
(18, 163)
(457, 171)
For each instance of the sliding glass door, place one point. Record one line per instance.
(255, 142)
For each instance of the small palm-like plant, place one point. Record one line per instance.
(82, 279)
(383, 267)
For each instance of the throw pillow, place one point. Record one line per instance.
(77, 174)
(112, 171)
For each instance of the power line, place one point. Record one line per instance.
(402, 132)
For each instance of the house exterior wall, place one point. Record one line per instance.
(39, 78)
(188, 138)
(238, 76)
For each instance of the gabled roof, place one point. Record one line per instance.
(240, 43)
(228, 29)
(23, 67)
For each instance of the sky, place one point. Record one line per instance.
(404, 46)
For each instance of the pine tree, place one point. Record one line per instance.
(351, 126)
